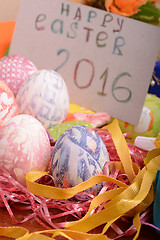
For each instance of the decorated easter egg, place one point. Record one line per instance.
(58, 129)
(44, 95)
(78, 154)
(24, 146)
(149, 122)
(14, 69)
(8, 105)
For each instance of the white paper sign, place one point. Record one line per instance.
(106, 60)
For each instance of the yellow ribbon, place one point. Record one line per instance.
(13, 232)
(122, 148)
(126, 200)
(59, 193)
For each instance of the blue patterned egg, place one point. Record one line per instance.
(44, 95)
(79, 154)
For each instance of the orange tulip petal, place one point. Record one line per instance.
(124, 7)
(108, 3)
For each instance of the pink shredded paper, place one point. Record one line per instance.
(52, 213)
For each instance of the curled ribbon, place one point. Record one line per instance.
(125, 200)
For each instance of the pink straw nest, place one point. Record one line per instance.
(53, 213)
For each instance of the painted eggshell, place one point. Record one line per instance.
(79, 154)
(97, 119)
(44, 95)
(24, 146)
(149, 122)
(14, 69)
(58, 129)
(8, 105)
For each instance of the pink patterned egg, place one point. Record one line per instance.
(14, 70)
(24, 146)
(8, 105)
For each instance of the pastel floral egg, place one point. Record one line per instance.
(24, 146)
(78, 154)
(8, 105)
(14, 69)
(44, 95)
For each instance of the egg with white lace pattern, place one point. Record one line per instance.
(44, 95)
(14, 69)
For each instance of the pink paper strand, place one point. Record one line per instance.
(13, 195)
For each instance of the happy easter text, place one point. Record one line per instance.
(58, 27)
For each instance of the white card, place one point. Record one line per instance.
(106, 60)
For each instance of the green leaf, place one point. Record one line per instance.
(148, 13)
(149, 9)
(147, 19)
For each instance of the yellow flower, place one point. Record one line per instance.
(124, 7)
